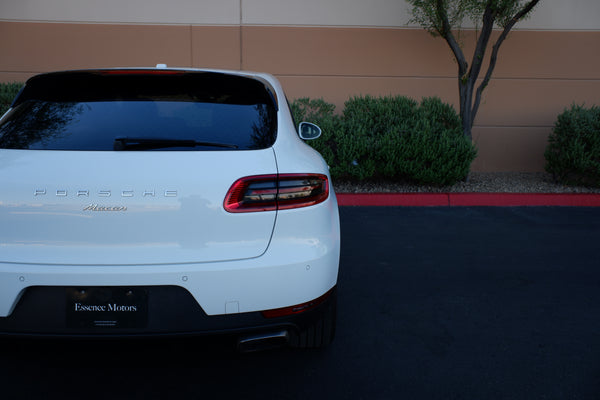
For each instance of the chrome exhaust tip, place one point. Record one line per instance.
(263, 341)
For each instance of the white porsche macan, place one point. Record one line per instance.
(152, 201)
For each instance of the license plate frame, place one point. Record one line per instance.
(106, 307)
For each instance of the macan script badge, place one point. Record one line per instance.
(96, 207)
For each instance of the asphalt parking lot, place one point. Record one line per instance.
(434, 303)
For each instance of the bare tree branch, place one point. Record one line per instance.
(496, 48)
(440, 17)
(446, 33)
(487, 28)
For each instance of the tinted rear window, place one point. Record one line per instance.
(139, 110)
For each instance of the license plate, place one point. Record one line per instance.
(106, 307)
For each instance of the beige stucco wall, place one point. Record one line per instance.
(328, 48)
(550, 15)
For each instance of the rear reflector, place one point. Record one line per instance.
(297, 309)
(276, 192)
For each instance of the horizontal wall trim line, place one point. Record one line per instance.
(329, 76)
(249, 24)
(117, 23)
(440, 77)
(409, 27)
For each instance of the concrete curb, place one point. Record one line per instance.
(469, 199)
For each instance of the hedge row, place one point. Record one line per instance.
(8, 91)
(393, 138)
(573, 151)
(398, 138)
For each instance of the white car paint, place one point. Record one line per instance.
(70, 218)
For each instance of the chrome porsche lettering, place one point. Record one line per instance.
(106, 193)
(96, 207)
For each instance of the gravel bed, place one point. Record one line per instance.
(492, 182)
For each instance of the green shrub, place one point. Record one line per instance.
(319, 112)
(434, 150)
(392, 138)
(573, 151)
(8, 91)
(311, 110)
(370, 124)
(396, 138)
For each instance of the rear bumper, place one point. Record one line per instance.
(172, 310)
(300, 264)
(218, 288)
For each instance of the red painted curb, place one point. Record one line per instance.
(469, 199)
(392, 199)
(525, 199)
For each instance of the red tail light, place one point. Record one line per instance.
(276, 192)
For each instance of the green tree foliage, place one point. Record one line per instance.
(444, 18)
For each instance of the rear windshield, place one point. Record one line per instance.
(141, 110)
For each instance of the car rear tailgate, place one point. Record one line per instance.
(128, 208)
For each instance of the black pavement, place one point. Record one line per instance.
(434, 303)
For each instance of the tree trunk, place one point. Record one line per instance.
(467, 78)
(466, 111)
